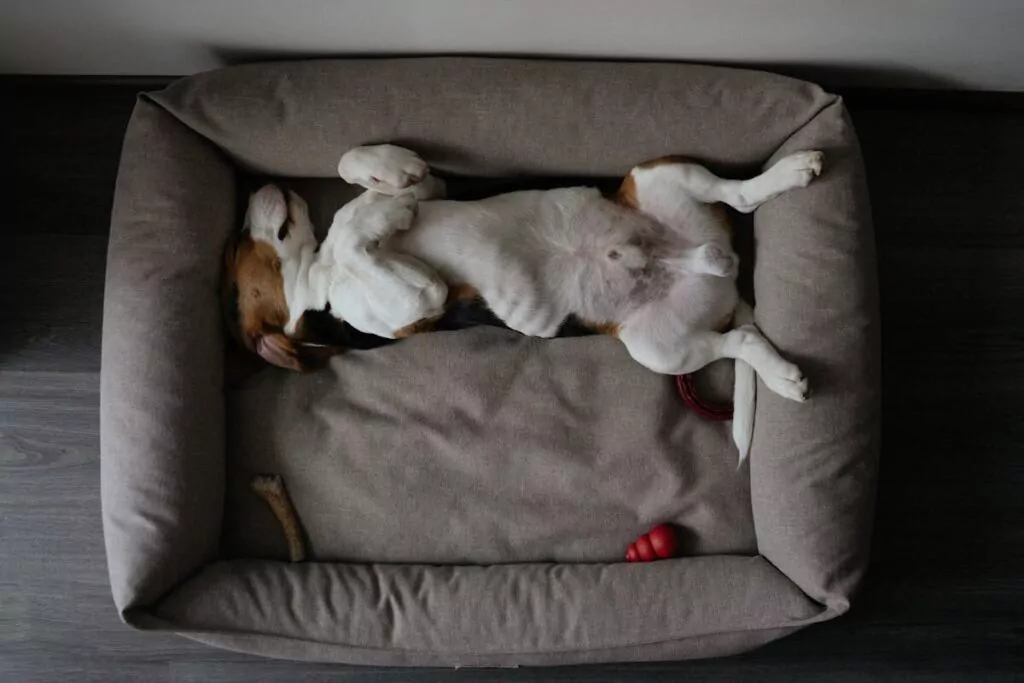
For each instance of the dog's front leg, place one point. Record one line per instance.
(373, 288)
(387, 169)
(390, 170)
(366, 220)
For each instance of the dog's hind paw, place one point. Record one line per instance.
(790, 383)
(798, 170)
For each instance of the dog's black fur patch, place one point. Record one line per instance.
(320, 327)
(474, 312)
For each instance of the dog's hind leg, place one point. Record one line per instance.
(688, 351)
(660, 188)
(789, 173)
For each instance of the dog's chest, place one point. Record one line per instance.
(465, 241)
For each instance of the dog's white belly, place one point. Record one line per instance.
(536, 257)
(495, 245)
(460, 240)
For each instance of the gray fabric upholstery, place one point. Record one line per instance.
(481, 446)
(476, 615)
(813, 477)
(162, 407)
(492, 117)
(549, 456)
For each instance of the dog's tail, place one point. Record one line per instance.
(744, 391)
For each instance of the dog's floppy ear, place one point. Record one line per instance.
(279, 350)
(287, 353)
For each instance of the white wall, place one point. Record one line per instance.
(930, 43)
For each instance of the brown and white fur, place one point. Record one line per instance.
(651, 265)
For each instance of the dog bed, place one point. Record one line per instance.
(468, 496)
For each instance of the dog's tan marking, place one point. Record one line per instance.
(626, 194)
(255, 308)
(722, 216)
(418, 327)
(458, 292)
(724, 324)
(270, 487)
(668, 159)
(606, 328)
(255, 270)
(462, 292)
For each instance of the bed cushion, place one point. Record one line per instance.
(481, 446)
(468, 496)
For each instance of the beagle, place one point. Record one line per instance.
(651, 265)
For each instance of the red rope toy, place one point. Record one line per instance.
(718, 412)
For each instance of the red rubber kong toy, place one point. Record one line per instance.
(659, 543)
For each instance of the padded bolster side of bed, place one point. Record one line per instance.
(492, 116)
(490, 615)
(161, 406)
(813, 466)
(162, 409)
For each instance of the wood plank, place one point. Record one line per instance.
(57, 617)
(51, 296)
(62, 145)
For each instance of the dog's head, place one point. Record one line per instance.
(275, 238)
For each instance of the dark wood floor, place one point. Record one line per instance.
(945, 599)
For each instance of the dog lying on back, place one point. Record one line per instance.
(651, 265)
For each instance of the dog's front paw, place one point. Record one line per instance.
(268, 211)
(387, 169)
(798, 170)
